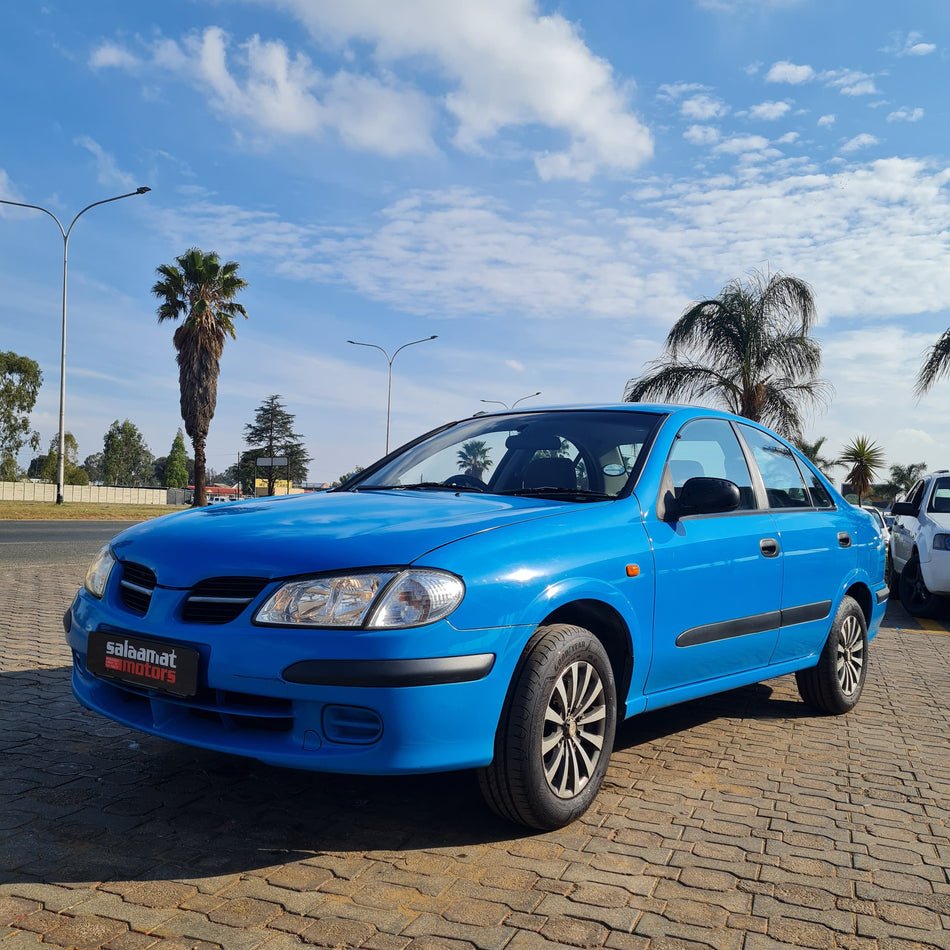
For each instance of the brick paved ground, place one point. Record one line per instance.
(744, 822)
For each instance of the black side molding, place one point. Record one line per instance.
(757, 623)
(389, 673)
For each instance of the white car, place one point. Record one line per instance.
(920, 546)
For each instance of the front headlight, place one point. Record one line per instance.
(98, 574)
(942, 542)
(390, 599)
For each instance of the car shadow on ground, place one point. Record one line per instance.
(84, 799)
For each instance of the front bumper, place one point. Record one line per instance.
(936, 571)
(373, 702)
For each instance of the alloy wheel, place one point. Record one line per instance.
(574, 723)
(849, 659)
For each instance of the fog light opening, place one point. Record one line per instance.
(352, 725)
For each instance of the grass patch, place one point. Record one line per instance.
(81, 511)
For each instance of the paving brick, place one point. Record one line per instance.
(727, 823)
(84, 931)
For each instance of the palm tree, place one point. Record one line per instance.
(202, 290)
(935, 366)
(748, 349)
(812, 452)
(903, 478)
(473, 458)
(865, 458)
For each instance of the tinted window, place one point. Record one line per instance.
(783, 481)
(709, 447)
(820, 496)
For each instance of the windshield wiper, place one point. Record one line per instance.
(420, 486)
(585, 494)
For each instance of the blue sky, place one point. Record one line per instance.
(546, 186)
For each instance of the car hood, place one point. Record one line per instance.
(301, 534)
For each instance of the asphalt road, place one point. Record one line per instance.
(55, 542)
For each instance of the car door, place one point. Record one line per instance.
(718, 576)
(817, 554)
(905, 527)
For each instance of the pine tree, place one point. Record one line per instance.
(271, 435)
(176, 465)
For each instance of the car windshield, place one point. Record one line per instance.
(577, 455)
(940, 496)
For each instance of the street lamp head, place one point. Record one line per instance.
(142, 189)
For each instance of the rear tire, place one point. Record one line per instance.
(835, 684)
(556, 731)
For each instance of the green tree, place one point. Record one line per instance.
(903, 478)
(92, 466)
(865, 458)
(271, 435)
(748, 350)
(176, 464)
(126, 459)
(474, 458)
(201, 290)
(73, 473)
(20, 381)
(343, 479)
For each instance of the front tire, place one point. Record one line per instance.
(556, 731)
(916, 598)
(835, 684)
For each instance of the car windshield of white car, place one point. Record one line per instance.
(569, 455)
(940, 497)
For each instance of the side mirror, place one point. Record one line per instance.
(704, 496)
(904, 508)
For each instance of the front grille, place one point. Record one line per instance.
(221, 710)
(221, 599)
(136, 586)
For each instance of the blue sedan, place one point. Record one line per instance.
(495, 595)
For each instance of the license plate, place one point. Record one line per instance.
(164, 667)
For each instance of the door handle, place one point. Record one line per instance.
(769, 547)
(844, 539)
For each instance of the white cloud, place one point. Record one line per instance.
(911, 45)
(679, 89)
(850, 82)
(906, 115)
(507, 67)
(789, 73)
(738, 144)
(261, 83)
(826, 121)
(870, 238)
(703, 107)
(107, 168)
(769, 111)
(515, 365)
(788, 138)
(6, 189)
(111, 55)
(864, 140)
(701, 135)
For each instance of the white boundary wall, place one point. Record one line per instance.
(90, 494)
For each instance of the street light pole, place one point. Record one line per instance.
(498, 402)
(389, 359)
(61, 468)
